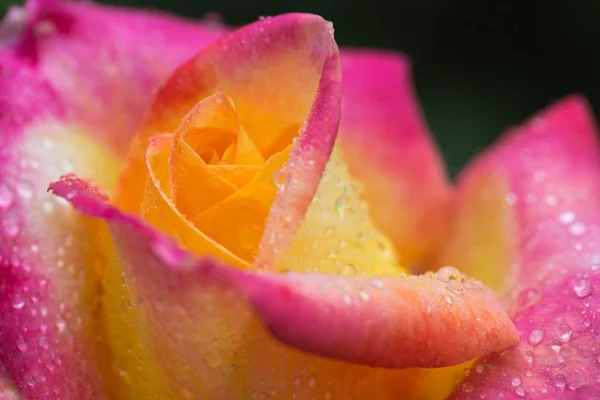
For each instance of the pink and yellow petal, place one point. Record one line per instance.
(386, 144)
(47, 293)
(549, 176)
(208, 352)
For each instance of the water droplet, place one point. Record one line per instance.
(6, 197)
(480, 368)
(11, 228)
(577, 229)
(519, 391)
(279, 179)
(18, 302)
(529, 358)
(516, 381)
(340, 205)
(377, 283)
(560, 381)
(349, 270)
(312, 382)
(576, 381)
(536, 336)
(449, 273)
(329, 395)
(555, 345)
(44, 342)
(566, 217)
(583, 288)
(364, 295)
(448, 299)
(61, 325)
(564, 333)
(467, 387)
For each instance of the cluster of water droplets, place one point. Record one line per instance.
(337, 235)
(42, 275)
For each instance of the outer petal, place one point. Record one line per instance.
(46, 347)
(386, 144)
(549, 173)
(60, 66)
(387, 323)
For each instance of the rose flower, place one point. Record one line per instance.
(239, 214)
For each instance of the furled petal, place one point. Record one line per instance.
(75, 79)
(199, 313)
(548, 174)
(386, 144)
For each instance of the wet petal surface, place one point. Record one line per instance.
(386, 143)
(549, 173)
(368, 321)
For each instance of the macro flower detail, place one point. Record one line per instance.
(192, 211)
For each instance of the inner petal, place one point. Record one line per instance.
(209, 136)
(246, 151)
(158, 209)
(237, 222)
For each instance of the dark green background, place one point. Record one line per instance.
(479, 65)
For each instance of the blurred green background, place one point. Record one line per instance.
(479, 66)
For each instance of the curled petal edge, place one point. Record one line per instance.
(390, 323)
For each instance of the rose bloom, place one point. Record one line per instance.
(248, 214)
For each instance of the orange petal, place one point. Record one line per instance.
(270, 70)
(237, 223)
(159, 210)
(211, 124)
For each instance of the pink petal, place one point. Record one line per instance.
(103, 62)
(551, 166)
(387, 146)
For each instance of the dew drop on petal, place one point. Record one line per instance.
(6, 197)
(519, 391)
(22, 346)
(516, 381)
(583, 288)
(577, 229)
(467, 387)
(536, 336)
(567, 217)
(18, 302)
(564, 332)
(560, 381)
